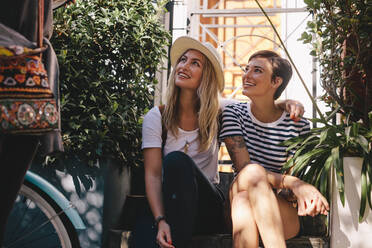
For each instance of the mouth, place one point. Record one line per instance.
(183, 75)
(248, 84)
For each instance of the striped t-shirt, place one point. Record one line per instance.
(262, 139)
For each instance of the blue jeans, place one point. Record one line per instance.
(193, 205)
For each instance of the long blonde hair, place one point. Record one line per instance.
(207, 106)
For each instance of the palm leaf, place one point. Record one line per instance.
(363, 142)
(303, 160)
(369, 174)
(339, 168)
(324, 175)
(364, 190)
(302, 149)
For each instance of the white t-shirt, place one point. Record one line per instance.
(207, 161)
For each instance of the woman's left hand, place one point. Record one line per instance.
(309, 200)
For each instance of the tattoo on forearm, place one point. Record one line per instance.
(235, 145)
(235, 142)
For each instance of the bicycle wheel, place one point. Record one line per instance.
(36, 221)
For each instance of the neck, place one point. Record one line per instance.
(265, 110)
(187, 111)
(187, 103)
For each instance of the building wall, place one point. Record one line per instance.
(237, 28)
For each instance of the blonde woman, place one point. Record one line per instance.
(181, 167)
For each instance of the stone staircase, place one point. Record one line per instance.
(314, 231)
(120, 239)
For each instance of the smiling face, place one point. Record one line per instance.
(257, 79)
(189, 70)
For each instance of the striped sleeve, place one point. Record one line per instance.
(230, 123)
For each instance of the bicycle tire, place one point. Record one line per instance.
(37, 221)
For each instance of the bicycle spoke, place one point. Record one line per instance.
(36, 241)
(34, 230)
(35, 223)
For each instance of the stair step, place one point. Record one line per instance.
(225, 241)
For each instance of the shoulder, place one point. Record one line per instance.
(152, 118)
(153, 113)
(236, 107)
(151, 124)
(225, 102)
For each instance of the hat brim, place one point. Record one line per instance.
(184, 43)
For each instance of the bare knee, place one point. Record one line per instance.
(249, 178)
(239, 199)
(245, 232)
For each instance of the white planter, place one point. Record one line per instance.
(345, 230)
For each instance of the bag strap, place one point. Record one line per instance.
(40, 25)
(164, 131)
(219, 127)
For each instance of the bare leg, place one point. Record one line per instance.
(245, 232)
(291, 223)
(264, 207)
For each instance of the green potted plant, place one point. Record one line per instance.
(337, 155)
(341, 36)
(109, 52)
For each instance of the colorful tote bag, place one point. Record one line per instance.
(27, 104)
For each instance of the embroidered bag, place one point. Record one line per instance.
(27, 104)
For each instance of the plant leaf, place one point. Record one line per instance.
(363, 142)
(333, 113)
(339, 169)
(364, 187)
(302, 160)
(323, 136)
(324, 176)
(369, 182)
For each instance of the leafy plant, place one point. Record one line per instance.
(341, 36)
(108, 52)
(323, 149)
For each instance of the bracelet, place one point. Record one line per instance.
(282, 182)
(158, 219)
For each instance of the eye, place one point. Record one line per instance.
(257, 70)
(196, 63)
(183, 59)
(246, 68)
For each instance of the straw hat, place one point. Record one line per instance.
(184, 43)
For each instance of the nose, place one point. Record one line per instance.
(246, 74)
(185, 64)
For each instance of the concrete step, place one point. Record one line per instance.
(313, 235)
(225, 241)
(120, 239)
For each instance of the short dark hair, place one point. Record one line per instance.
(281, 68)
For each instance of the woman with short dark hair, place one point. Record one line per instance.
(253, 132)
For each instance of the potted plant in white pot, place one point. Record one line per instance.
(337, 156)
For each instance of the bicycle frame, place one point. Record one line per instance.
(58, 197)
